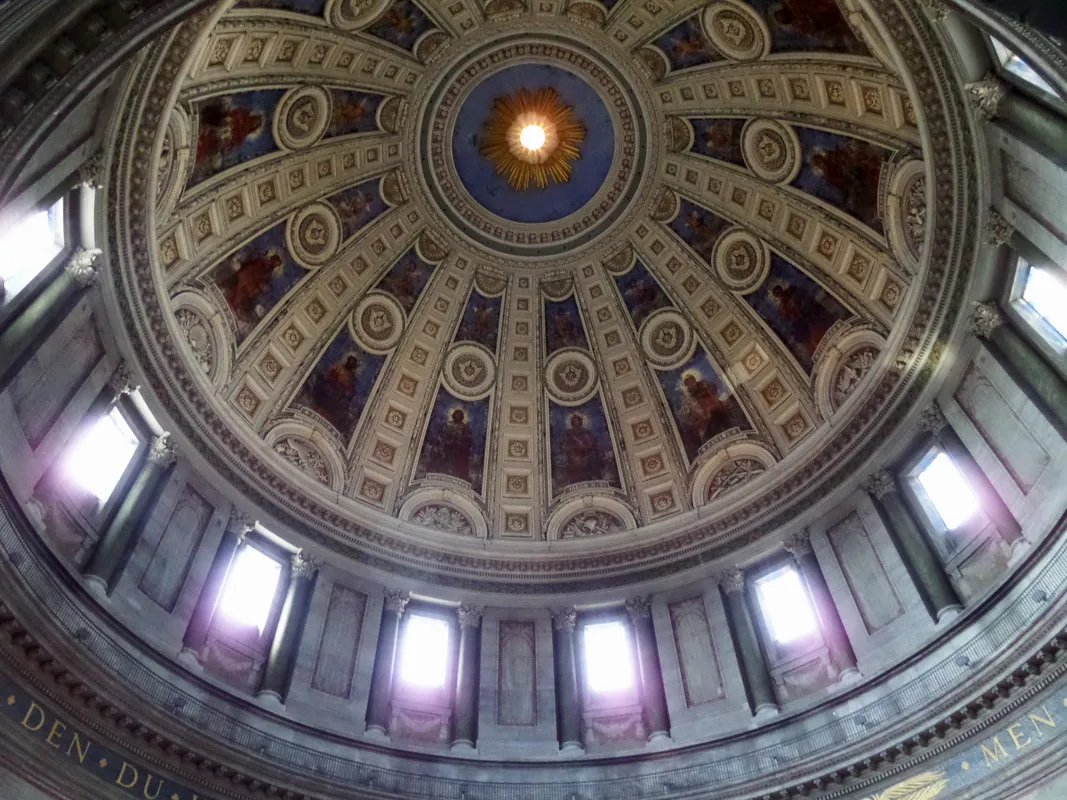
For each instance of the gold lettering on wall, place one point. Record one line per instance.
(128, 772)
(992, 755)
(33, 709)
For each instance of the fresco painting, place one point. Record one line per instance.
(402, 24)
(353, 112)
(719, 137)
(455, 440)
(563, 325)
(313, 7)
(686, 45)
(702, 403)
(481, 321)
(358, 205)
(699, 228)
(809, 25)
(255, 278)
(843, 171)
(233, 129)
(581, 446)
(406, 280)
(641, 293)
(340, 383)
(797, 309)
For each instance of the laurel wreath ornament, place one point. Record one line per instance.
(924, 786)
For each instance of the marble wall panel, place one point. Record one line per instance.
(175, 549)
(699, 663)
(517, 674)
(865, 573)
(338, 645)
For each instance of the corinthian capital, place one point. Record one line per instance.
(83, 268)
(932, 419)
(564, 619)
(879, 484)
(639, 608)
(304, 564)
(397, 601)
(998, 231)
(470, 615)
(985, 319)
(733, 580)
(162, 451)
(799, 544)
(985, 96)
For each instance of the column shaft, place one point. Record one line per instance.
(915, 550)
(290, 628)
(468, 664)
(379, 707)
(749, 655)
(19, 340)
(653, 697)
(567, 709)
(113, 548)
(1041, 383)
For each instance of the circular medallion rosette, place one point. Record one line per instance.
(737, 31)
(771, 150)
(378, 323)
(571, 376)
(469, 371)
(667, 340)
(314, 235)
(741, 260)
(351, 15)
(302, 117)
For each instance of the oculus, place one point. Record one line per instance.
(532, 137)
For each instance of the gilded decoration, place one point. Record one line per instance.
(532, 137)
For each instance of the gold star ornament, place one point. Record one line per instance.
(532, 137)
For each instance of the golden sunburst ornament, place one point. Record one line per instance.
(532, 137)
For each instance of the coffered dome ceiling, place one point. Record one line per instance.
(400, 333)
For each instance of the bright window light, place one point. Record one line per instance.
(1020, 68)
(248, 594)
(1047, 295)
(99, 458)
(29, 245)
(608, 660)
(786, 606)
(424, 652)
(947, 489)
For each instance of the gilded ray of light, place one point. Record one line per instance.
(520, 165)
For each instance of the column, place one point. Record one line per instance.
(468, 664)
(749, 655)
(19, 339)
(239, 526)
(286, 644)
(1039, 381)
(915, 550)
(653, 698)
(841, 654)
(933, 421)
(379, 708)
(113, 548)
(568, 718)
(118, 385)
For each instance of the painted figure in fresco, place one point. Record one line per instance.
(333, 393)
(704, 234)
(223, 129)
(854, 170)
(404, 286)
(819, 19)
(248, 279)
(399, 19)
(642, 297)
(483, 324)
(452, 454)
(705, 413)
(350, 111)
(692, 43)
(352, 207)
(807, 318)
(563, 332)
(581, 453)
